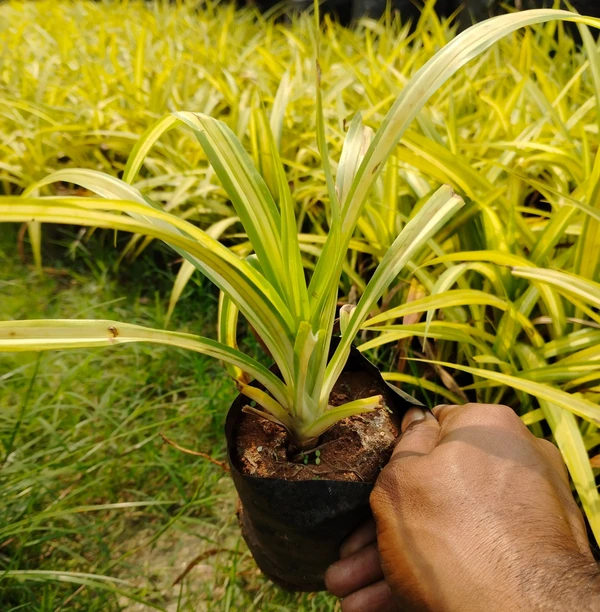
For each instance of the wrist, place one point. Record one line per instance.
(570, 583)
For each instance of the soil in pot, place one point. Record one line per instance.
(355, 449)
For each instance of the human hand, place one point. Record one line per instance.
(471, 513)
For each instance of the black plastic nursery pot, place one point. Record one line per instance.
(294, 527)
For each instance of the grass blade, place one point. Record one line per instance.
(577, 405)
(570, 285)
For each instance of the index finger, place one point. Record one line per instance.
(420, 434)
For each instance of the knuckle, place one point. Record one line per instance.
(445, 410)
(498, 415)
(503, 412)
(551, 449)
(475, 412)
(548, 446)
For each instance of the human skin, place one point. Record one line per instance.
(472, 513)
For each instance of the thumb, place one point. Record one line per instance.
(420, 434)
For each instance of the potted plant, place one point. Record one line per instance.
(307, 438)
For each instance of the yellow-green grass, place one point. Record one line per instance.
(80, 81)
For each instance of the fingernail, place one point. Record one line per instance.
(413, 415)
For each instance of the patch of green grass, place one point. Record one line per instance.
(87, 485)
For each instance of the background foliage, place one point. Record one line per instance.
(516, 133)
